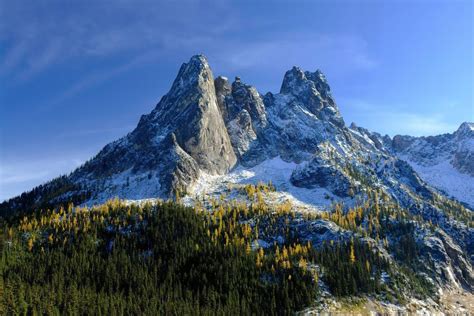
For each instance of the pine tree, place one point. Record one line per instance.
(30, 244)
(352, 257)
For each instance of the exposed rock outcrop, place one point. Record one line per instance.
(184, 135)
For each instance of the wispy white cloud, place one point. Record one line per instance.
(89, 132)
(387, 120)
(96, 78)
(41, 35)
(314, 50)
(348, 52)
(41, 61)
(19, 176)
(55, 36)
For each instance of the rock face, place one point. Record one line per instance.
(312, 92)
(191, 112)
(245, 118)
(184, 135)
(447, 261)
(206, 127)
(325, 170)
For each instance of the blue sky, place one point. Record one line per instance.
(76, 75)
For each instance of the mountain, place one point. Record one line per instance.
(183, 136)
(209, 139)
(445, 161)
(205, 127)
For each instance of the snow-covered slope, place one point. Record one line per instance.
(445, 177)
(445, 161)
(275, 171)
(456, 148)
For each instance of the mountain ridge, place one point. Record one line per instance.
(256, 126)
(208, 126)
(445, 161)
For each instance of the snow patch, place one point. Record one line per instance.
(445, 177)
(129, 186)
(275, 170)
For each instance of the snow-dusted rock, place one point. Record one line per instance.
(324, 172)
(444, 161)
(245, 118)
(446, 258)
(321, 231)
(183, 135)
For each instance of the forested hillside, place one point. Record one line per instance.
(120, 258)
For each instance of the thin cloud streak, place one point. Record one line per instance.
(345, 50)
(351, 51)
(53, 36)
(89, 132)
(385, 120)
(97, 78)
(96, 35)
(18, 177)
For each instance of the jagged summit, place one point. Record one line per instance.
(184, 135)
(207, 126)
(445, 161)
(466, 128)
(191, 110)
(311, 91)
(297, 79)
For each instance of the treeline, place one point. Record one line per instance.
(165, 258)
(45, 196)
(151, 259)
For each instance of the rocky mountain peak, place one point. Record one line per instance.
(293, 81)
(311, 91)
(465, 129)
(191, 86)
(207, 126)
(296, 81)
(204, 126)
(184, 135)
(321, 84)
(199, 126)
(248, 98)
(196, 71)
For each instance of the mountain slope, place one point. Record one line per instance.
(444, 161)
